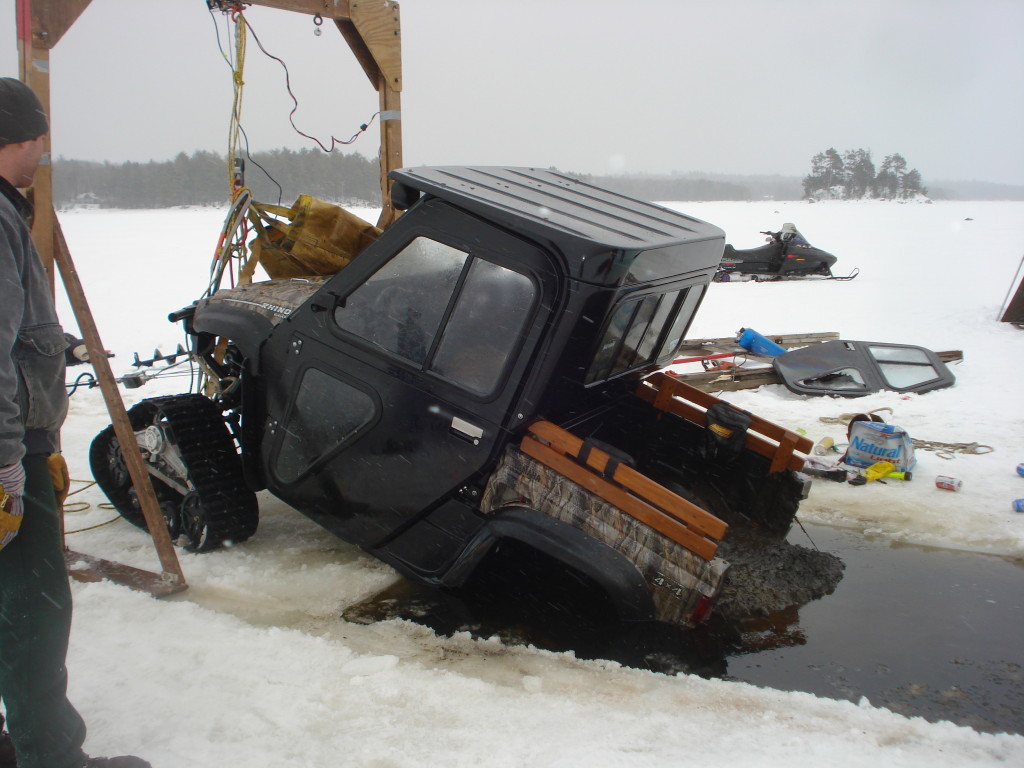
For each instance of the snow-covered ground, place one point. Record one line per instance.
(251, 666)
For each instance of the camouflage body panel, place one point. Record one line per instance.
(676, 577)
(273, 299)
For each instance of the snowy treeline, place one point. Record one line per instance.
(202, 179)
(852, 176)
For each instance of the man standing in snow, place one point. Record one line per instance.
(35, 598)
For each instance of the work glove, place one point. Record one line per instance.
(12, 486)
(77, 353)
(60, 476)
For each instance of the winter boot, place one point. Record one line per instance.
(7, 757)
(124, 761)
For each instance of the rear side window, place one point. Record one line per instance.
(642, 331)
(453, 314)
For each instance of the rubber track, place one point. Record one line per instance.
(214, 467)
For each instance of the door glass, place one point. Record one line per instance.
(401, 306)
(485, 326)
(904, 367)
(327, 412)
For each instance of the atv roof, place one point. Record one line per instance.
(552, 206)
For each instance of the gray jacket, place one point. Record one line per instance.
(33, 398)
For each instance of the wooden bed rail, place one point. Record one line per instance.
(782, 446)
(622, 486)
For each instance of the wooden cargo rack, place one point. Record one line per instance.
(625, 488)
(673, 395)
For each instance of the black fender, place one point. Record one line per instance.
(608, 568)
(247, 329)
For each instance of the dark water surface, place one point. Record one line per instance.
(921, 631)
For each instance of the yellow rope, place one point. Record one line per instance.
(82, 506)
(235, 128)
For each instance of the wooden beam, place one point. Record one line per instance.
(329, 9)
(52, 18)
(34, 71)
(379, 25)
(390, 148)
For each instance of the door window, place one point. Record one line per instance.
(400, 307)
(452, 314)
(493, 307)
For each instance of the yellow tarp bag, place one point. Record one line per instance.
(310, 238)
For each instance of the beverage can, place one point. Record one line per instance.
(1018, 505)
(824, 445)
(948, 483)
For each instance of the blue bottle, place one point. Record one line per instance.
(758, 344)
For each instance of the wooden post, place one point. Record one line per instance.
(41, 25)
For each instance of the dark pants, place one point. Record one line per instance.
(35, 620)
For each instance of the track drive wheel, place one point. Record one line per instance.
(194, 466)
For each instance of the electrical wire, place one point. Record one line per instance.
(335, 142)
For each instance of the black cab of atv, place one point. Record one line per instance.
(501, 295)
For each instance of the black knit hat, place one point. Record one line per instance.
(21, 114)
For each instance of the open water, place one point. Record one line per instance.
(924, 632)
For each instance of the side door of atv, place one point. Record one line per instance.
(399, 375)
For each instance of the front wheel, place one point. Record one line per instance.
(195, 468)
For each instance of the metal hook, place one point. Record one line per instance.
(317, 21)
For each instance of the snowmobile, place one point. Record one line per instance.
(787, 256)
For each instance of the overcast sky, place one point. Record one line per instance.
(655, 86)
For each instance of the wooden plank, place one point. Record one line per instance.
(731, 380)
(52, 18)
(631, 505)
(787, 340)
(335, 9)
(379, 25)
(683, 510)
(86, 568)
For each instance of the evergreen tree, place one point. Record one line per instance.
(912, 185)
(827, 172)
(860, 173)
(890, 177)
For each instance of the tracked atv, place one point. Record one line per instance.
(483, 372)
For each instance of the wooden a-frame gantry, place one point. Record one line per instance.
(372, 30)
